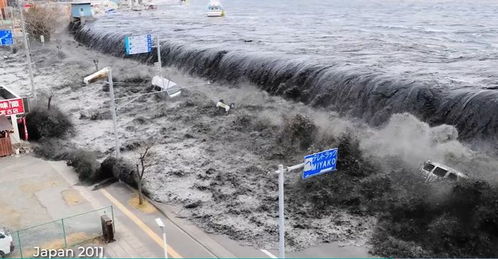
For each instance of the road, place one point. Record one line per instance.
(45, 185)
(137, 234)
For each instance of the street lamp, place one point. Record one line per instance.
(281, 209)
(107, 71)
(160, 223)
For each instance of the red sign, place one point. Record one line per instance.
(11, 107)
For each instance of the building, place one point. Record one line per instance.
(12, 110)
(5, 141)
(81, 11)
(3, 9)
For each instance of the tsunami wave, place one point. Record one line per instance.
(365, 95)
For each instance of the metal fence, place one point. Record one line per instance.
(84, 228)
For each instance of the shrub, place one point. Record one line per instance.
(51, 149)
(120, 169)
(85, 164)
(416, 219)
(298, 132)
(460, 223)
(355, 186)
(389, 246)
(44, 123)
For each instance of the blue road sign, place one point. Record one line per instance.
(6, 38)
(138, 44)
(320, 163)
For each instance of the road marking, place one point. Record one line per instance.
(267, 253)
(140, 224)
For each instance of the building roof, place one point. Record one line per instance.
(5, 124)
(6, 93)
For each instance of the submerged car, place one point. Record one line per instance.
(6, 243)
(436, 171)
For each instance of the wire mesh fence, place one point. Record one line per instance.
(84, 228)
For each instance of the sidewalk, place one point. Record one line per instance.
(127, 243)
(137, 234)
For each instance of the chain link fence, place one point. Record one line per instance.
(81, 229)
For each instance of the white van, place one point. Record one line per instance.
(6, 243)
(436, 171)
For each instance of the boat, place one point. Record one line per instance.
(215, 10)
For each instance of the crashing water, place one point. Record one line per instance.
(363, 58)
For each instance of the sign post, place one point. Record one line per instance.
(28, 53)
(143, 44)
(281, 216)
(314, 164)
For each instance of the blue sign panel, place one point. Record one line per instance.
(320, 163)
(6, 38)
(138, 44)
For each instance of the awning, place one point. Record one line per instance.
(5, 124)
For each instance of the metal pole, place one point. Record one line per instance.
(281, 216)
(165, 243)
(19, 243)
(28, 53)
(159, 57)
(12, 28)
(113, 111)
(64, 233)
(113, 222)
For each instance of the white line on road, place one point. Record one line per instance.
(267, 253)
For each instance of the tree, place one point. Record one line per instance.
(42, 20)
(144, 161)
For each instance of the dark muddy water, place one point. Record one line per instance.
(436, 59)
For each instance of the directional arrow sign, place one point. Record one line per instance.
(6, 38)
(320, 163)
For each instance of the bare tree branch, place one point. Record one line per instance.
(142, 166)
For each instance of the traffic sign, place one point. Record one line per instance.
(6, 38)
(320, 163)
(138, 44)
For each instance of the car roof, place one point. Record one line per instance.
(447, 168)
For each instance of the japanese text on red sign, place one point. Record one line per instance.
(11, 107)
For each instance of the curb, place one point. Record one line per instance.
(191, 230)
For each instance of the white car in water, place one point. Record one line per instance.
(6, 243)
(215, 10)
(435, 171)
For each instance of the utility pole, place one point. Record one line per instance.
(28, 52)
(12, 27)
(159, 61)
(101, 74)
(160, 64)
(113, 111)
